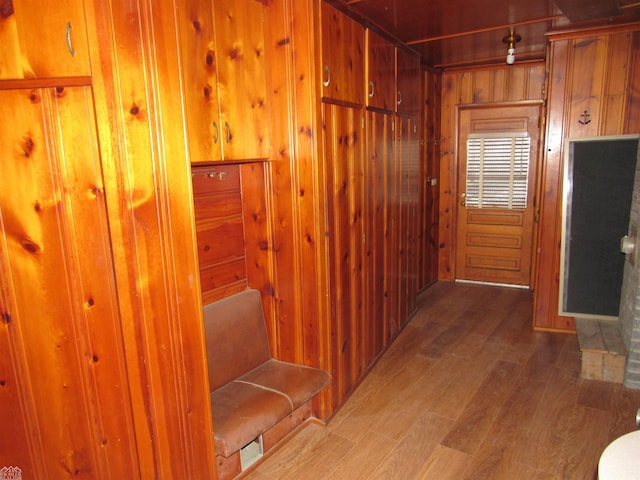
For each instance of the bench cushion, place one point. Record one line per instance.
(297, 382)
(242, 411)
(236, 334)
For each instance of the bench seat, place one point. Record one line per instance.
(250, 391)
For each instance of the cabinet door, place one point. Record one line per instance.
(379, 155)
(407, 164)
(240, 54)
(345, 192)
(342, 56)
(64, 402)
(381, 72)
(408, 83)
(200, 80)
(43, 39)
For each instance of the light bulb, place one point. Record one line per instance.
(511, 55)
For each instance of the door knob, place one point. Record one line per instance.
(463, 202)
(627, 245)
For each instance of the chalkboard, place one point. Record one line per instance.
(598, 190)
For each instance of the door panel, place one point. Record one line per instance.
(65, 403)
(494, 244)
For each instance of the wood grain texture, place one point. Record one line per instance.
(44, 40)
(510, 424)
(136, 69)
(64, 397)
(607, 95)
(380, 72)
(343, 56)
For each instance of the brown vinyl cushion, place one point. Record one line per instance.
(297, 382)
(236, 337)
(241, 412)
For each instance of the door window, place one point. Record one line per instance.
(497, 170)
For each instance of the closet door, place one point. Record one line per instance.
(345, 189)
(65, 407)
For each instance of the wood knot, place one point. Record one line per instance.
(6, 8)
(30, 246)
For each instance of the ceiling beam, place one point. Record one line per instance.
(483, 30)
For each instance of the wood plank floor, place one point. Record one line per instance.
(467, 391)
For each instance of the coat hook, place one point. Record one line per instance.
(586, 116)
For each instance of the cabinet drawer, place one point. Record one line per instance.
(214, 180)
(222, 205)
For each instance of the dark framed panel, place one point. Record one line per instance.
(597, 194)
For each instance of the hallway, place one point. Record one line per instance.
(468, 390)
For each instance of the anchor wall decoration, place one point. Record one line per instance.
(586, 118)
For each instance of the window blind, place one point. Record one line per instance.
(497, 170)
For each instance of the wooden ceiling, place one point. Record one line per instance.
(455, 33)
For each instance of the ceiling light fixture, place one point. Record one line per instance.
(511, 41)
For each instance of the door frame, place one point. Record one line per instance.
(537, 181)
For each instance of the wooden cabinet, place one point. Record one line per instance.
(372, 207)
(219, 230)
(200, 77)
(65, 403)
(224, 75)
(381, 72)
(407, 154)
(345, 188)
(408, 83)
(43, 39)
(342, 56)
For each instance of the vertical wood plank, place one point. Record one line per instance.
(150, 205)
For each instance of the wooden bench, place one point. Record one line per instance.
(251, 393)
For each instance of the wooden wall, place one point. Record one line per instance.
(427, 241)
(594, 73)
(522, 82)
(129, 349)
(126, 391)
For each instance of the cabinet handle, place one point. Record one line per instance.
(372, 89)
(228, 129)
(327, 82)
(399, 97)
(219, 175)
(69, 43)
(216, 132)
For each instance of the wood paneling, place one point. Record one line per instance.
(592, 91)
(222, 47)
(343, 58)
(408, 84)
(139, 111)
(429, 178)
(344, 144)
(380, 72)
(490, 85)
(43, 40)
(64, 398)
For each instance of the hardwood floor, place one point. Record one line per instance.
(467, 391)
